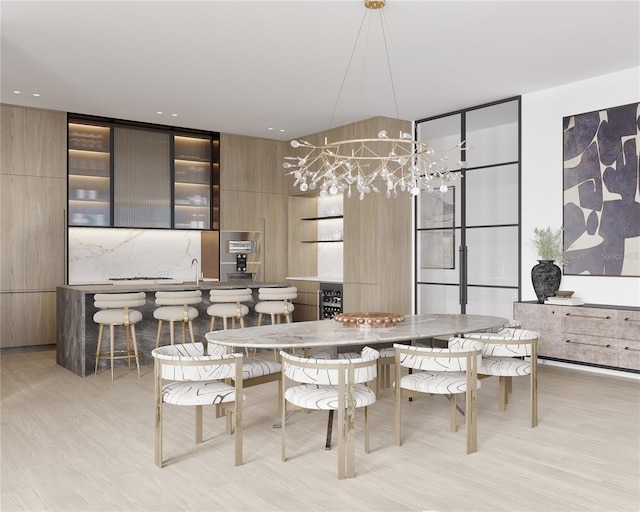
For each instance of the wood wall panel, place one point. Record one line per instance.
(33, 191)
(32, 232)
(34, 142)
(302, 258)
(27, 318)
(252, 165)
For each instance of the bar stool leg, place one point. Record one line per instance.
(172, 332)
(111, 340)
(100, 331)
(135, 347)
(128, 338)
(191, 331)
(159, 330)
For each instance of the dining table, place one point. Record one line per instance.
(331, 335)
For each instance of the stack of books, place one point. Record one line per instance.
(565, 301)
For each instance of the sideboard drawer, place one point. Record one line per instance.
(629, 325)
(594, 322)
(590, 349)
(629, 354)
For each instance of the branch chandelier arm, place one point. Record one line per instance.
(401, 164)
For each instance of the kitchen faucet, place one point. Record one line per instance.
(195, 260)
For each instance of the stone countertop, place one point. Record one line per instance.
(204, 285)
(328, 333)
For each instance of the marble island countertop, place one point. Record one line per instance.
(153, 285)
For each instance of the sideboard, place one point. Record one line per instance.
(593, 334)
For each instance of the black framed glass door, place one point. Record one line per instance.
(468, 238)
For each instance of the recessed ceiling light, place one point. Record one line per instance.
(159, 113)
(36, 94)
(270, 129)
(174, 115)
(281, 131)
(17, 92)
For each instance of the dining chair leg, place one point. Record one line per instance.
(198, 424)
(503, 393)
(366, 430)
(327, 444)
(453, 411)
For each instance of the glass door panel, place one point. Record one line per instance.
(89, 161)
(438, 299)
(492, 134)
(493, 256)
(438, 256)
(443, 134)
(491, 301)
(495, 196)
(192, 184)
(142, 178)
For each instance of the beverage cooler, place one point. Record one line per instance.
(330, 300)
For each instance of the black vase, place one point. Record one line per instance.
(546, 276)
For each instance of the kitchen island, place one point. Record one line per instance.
(77, 333)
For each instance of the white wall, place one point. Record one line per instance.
(542, 197)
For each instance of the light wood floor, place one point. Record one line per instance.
(77, 444)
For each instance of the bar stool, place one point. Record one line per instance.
(228, 304)
(276, 302)
(176, 307)
(115, 310)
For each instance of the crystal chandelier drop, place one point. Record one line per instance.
(393, 164)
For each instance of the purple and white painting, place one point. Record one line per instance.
(601, 182)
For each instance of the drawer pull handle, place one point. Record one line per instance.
(591, 316)
(631, 320)
(590, 344)
(634, 349)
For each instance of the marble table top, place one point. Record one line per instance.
(329, 333)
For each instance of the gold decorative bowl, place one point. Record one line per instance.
(369, 319)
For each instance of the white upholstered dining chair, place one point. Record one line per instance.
(439, 371)
(184, 375)
(511, 352)
(331, 384)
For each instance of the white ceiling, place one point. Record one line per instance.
(243, 67)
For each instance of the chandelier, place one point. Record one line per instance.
(393, 164)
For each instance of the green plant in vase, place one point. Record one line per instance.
(546, 275)
(548, 243)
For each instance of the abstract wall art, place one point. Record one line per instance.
(601, 183)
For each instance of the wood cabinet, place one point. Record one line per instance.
(592, 334)
(253, 196)
(306, 304)
(134, 175)
(33, 178)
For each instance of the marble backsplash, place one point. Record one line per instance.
(95, 255)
